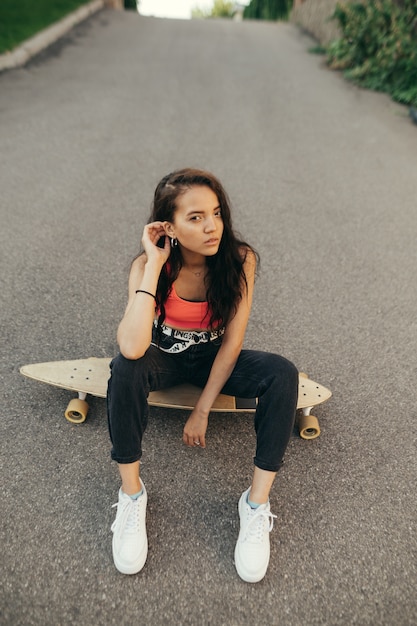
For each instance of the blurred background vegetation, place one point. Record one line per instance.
(221, 8)
(255, 9)
(378, 46)
(21, 19)
(268, 9)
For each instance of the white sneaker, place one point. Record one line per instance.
(130, 542)
(252, 547)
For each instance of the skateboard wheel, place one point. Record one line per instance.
(309, 427)
(76, 411)
(303, 374)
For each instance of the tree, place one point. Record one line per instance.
(268, 9)
(221, 8)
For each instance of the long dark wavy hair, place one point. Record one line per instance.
(225, 280)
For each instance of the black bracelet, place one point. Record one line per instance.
(148, 292)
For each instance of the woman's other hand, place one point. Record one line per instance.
(195, 428)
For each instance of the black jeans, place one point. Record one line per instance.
(263, 375)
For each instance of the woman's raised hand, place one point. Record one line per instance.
(152, 234)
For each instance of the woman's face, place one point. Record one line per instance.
(198, 224)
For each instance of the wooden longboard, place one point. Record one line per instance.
(90, 376)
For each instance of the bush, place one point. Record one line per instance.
(221, 8)
(378, 47)
(268, 9)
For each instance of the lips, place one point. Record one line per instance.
(212, 242)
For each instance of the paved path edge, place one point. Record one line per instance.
(29, 48)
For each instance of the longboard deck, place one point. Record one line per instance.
(90, 376)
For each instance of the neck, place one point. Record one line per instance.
(193, 262)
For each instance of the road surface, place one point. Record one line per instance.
(322, 177)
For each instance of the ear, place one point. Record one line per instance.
(169, 229)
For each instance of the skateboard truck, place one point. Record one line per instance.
(77, 409)
(308, 424)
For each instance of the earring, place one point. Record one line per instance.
(174, 242)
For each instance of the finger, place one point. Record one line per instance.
(154, 230)
(195, 440)
(158, 225)
(188, 440)
(155, 235)
(167, 246)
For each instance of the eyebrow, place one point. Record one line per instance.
(199, 212)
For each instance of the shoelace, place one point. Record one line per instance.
(255, 526)
(127, 518)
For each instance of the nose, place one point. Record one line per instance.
(210, 225)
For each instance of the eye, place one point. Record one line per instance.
(195, 218)
(218, 213)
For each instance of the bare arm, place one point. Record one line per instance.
(196, 425)
(135, 330)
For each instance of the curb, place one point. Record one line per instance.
(29, 48)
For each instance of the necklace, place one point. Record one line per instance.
(197, 273)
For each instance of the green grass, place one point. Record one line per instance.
(21, 19)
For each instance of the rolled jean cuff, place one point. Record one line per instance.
(267, 466)
(126, 460)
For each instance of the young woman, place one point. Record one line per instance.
(190, 295)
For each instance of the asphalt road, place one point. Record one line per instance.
(323, 180)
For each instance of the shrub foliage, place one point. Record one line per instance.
(378, 47)
(268, 9)
(220, 8)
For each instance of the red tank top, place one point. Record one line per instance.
(185, 314)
